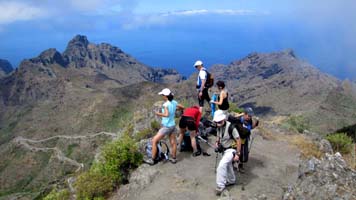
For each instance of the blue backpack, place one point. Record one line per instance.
(162, 150)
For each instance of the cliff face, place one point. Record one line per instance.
(5, 68)
(281, 84)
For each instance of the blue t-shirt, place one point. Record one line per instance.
(171, 106)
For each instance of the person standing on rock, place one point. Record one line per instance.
(223, 102)
(230, 146)
(168, 126)
(201, 84)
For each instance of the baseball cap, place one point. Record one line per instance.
(165, 92)
(219, 116)
(198, 63)
(248, 111)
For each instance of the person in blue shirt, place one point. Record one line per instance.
(168, 125)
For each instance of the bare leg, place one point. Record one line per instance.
(173, 141)
(155, 140)
(193, 141)
(181, 135)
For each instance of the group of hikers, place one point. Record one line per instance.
(232, 135)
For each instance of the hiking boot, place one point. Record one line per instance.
(206, 154)
(197, 153)
(230, 184)
(150, 161)
(173, 160)
(219, 190)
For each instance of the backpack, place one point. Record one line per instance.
(236, 122)
(162, 150)
(187, 145)
(209, 79)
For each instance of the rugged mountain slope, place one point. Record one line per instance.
(87, 89)
(5, 67)
(281, 84)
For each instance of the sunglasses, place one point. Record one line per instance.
(220, 122)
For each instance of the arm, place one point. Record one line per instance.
(202, 85)
(221, 98)
(180, 107)
(165, 114)
(238, 149)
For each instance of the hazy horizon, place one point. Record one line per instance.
(175, 34)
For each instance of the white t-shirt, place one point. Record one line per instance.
(202, 76)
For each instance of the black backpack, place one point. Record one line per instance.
(236, 123)
(209, 79)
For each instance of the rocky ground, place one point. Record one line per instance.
(272, 168)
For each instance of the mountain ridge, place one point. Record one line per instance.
(92, 88)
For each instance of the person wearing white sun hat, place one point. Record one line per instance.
(201, 84)
(230, 146)
(168, 126)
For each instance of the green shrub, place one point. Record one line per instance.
(93, 184)
(297, 123)
(58, 195)
(119, 158)
(340, 142)
(155, 125)
(234, 108)
(143, 134)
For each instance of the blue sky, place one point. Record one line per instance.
(175, 33)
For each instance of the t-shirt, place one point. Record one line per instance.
(171, 107)
(194, 113)
(202, 76)
(223, 134)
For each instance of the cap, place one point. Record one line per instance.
(198, 63)
(248, 111)
(165, 92)
(219, 116)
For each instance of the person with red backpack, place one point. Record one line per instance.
(190, 120)
(202, 84)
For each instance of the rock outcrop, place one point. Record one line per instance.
(328, 178)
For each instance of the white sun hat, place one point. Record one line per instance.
(219, 116)
(165, 92)
(198, 63)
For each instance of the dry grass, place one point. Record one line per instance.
(351, 157)
(307, 148)
(267, 134)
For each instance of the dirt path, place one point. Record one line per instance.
(272, 166)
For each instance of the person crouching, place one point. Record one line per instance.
(231, 146)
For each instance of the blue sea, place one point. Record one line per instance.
(212, 40)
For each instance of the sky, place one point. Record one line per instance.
(175, 33)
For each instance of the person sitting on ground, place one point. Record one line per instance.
(201, 81)
(168, 126)
(223, 102)
(190, 120)
(230, 145)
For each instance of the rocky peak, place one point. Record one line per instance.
(79, 41)
(50, 56)
(5, 67)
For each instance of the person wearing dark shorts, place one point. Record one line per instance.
(190, 120)
(201, 84)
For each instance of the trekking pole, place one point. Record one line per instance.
(216, 161)
(249, 149)
(211, 145)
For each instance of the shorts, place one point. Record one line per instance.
(189, 122)
(205, 96)
(167, 130)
